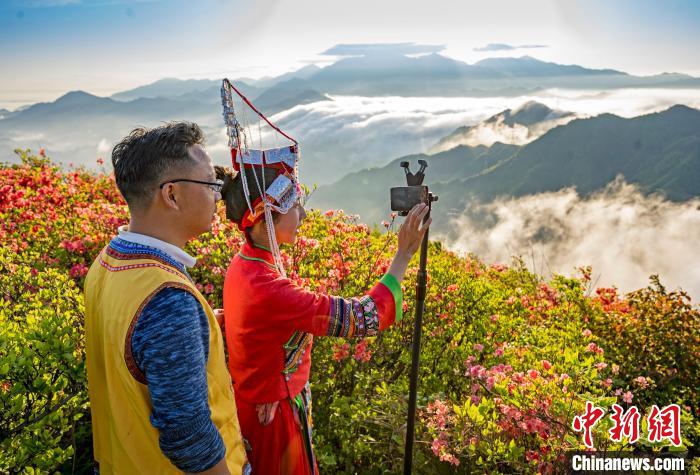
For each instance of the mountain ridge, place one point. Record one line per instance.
(522, 124)
(659, 152)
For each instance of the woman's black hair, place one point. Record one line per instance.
(232, 192)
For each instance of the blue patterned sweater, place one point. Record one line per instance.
(170, 344)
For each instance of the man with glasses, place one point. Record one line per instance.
(160, 392)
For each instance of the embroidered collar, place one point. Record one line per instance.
(127, 250)
(170, 250)
(256, 252)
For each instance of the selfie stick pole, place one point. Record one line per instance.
(417, 333)
(421, 283)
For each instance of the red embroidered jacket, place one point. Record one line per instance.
(270, 324)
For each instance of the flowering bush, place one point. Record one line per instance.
(64, 217)
(508, 359)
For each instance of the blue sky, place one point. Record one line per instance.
(103, 46)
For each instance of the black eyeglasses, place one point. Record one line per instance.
(215, 185)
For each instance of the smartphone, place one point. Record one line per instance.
(403, 198)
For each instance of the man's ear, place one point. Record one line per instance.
(169, 196)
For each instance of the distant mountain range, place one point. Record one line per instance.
(168, 87)
(171, 87)
(659, 152)
(78, 127)
(389, 73)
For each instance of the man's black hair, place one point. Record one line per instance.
(144, 158)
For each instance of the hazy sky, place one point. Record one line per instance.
(48, 47)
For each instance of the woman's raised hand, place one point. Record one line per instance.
(413, 229)
(410, 237)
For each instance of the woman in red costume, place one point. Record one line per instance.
(270, 324)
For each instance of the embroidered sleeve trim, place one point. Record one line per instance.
(294, 351)
(354, 317)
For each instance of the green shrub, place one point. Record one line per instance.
(43, 398)
(508, 359)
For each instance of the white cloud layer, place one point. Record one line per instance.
(623, 234)
(505, 47)
(372, 131)
(353, 132)
(498, 131)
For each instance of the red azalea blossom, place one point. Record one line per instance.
(341, 351)
(362, 353)
(78, 270)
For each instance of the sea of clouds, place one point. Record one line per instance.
(371, 131)
(349, 132)
(624, 235)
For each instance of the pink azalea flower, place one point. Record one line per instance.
(437, 446)
(490, 381)
(477, 371)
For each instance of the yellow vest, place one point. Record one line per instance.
(117, 289)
